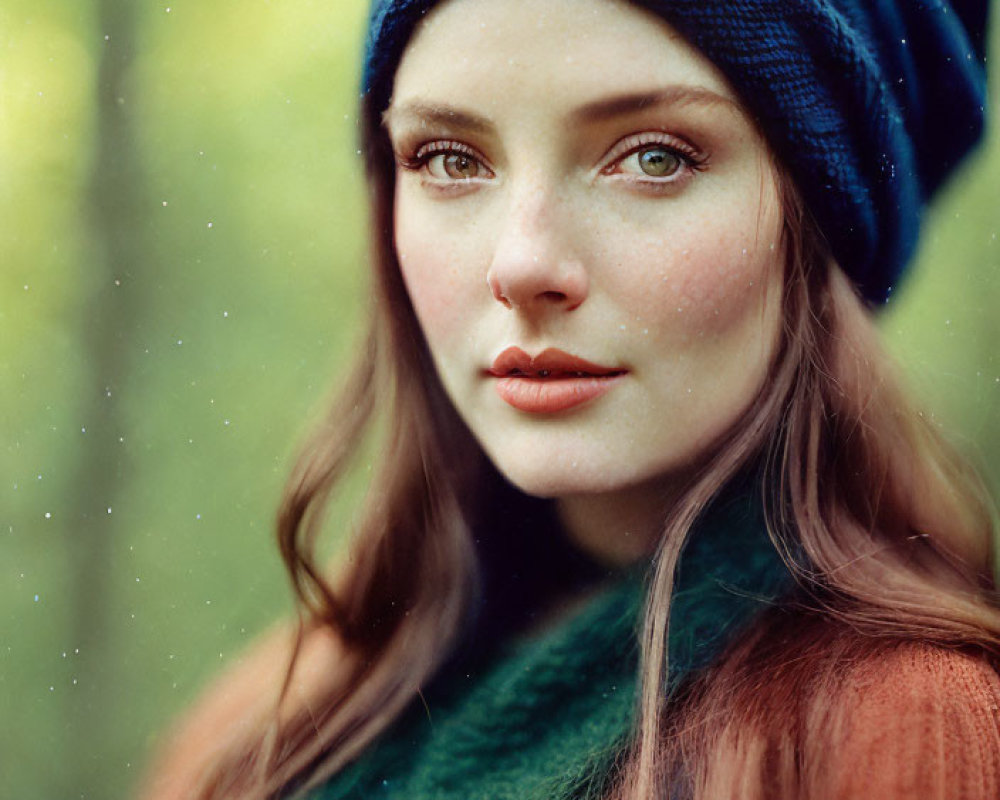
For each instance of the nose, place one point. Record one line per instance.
(535, 267)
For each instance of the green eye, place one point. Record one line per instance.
(659, 162)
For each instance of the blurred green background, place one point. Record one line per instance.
(181, 240)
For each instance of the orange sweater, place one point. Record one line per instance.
(918, 722)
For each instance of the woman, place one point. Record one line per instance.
(619, 345)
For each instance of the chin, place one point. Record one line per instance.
(556, 477)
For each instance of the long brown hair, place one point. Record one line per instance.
(887, 531)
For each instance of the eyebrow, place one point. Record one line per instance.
(675, 95)
(595, 111)
(433, 113)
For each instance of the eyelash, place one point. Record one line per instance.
(420, 159)
(691, 160)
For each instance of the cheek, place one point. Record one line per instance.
(439, 288)
(701, 276)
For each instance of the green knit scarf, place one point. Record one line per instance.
(546, 716)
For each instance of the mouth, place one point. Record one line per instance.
(551, 381)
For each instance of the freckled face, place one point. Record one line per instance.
(575, 181)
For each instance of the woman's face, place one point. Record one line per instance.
(588, 227)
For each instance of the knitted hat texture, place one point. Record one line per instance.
(869, 103)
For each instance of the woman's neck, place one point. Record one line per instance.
(617, 528)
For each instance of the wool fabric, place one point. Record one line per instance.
(869, 104)
(544, 717)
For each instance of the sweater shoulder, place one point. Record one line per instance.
(912, 720)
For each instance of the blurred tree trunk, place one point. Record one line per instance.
(113, 209)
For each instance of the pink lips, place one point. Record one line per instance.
(550, 382)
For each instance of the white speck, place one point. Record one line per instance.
(109, 509)
(164, 203)
(107, 37)
(197, 516)
(225, 313)
(180, 341)
(48, 515)
(25, 287)
(83, 430)
(36, 598)
(137, 579)
(168, 9)
(210, 224)
(621, 327)
(74, 681)
(744, 251)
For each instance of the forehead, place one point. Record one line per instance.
(486, 52)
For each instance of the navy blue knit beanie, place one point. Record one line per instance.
(869, 103)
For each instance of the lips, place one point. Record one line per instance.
(550, 382)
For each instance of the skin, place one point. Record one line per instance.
(524, 217)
